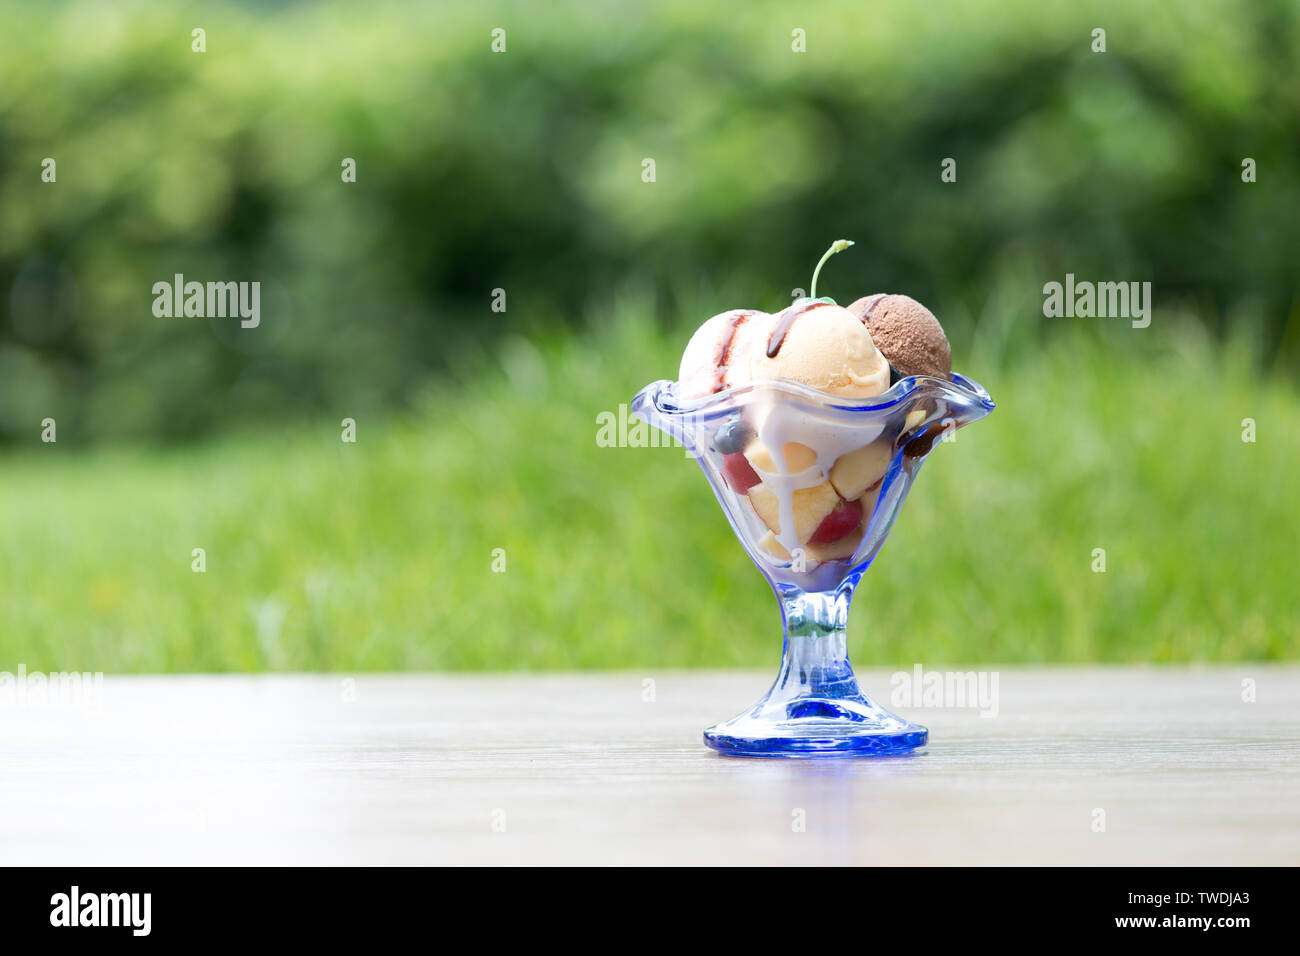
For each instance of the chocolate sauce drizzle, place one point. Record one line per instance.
(737, 319)
(785, 322)
(875, 301)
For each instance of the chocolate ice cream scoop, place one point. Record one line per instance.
(907, 333)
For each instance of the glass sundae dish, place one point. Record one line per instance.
(810, 437)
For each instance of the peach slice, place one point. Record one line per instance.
(843, 548)
(738, 473)
(856, 471)
(811, 505)
(844, 519)
(773, 547)
(798, 457)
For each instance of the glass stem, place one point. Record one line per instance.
(815, 659)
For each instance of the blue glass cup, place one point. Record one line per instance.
(778, 455)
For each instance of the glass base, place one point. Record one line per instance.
(816, 727)
(815, 708)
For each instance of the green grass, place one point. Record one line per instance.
(378, 555)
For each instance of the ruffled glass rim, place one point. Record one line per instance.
(662, 395)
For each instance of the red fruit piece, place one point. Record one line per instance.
(840, 522)
(739, 473)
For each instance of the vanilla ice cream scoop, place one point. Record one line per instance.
(820, 345)
(717, 356)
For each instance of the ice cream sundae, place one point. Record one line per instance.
(813, 484)
(811, 423)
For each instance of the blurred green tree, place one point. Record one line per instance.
(521, 170)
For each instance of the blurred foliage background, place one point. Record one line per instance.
(523, 171)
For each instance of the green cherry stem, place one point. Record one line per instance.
(839, 245)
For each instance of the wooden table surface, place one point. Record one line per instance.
(496, 769)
